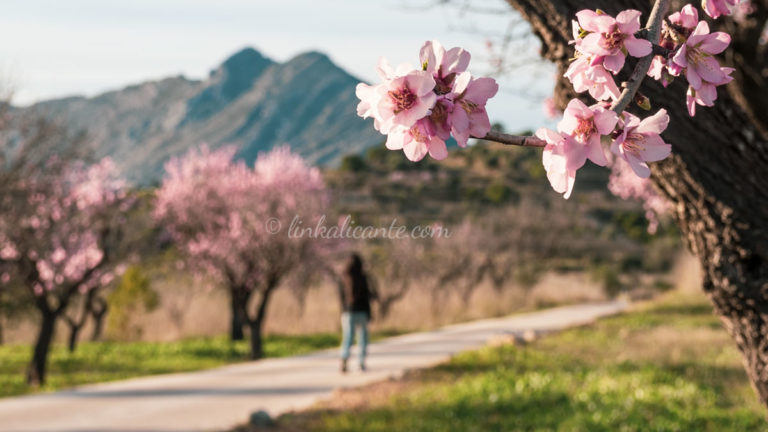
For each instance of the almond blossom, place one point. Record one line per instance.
(715, 8)
(687, 17)
(417, 141)
(594, 79)
(406, 99)
(442, 64)
(562, 157)
(639, 141)
(704, 73)
(697, 56)
(469, 117)
(421, 109)
(370, 95)
(683, 22)
(586, 125)
(610, 39)
(705, 95)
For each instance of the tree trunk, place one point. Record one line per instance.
(74, 332)
(36, 368)
(238, 303)
(255, 324)
(98, 313)
(257, 348)
(715, 181)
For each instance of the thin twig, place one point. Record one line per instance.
(525, 141)
(641, 69)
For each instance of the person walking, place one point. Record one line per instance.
(356, 298)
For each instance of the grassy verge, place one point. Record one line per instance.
(664, 367)
(108, 361)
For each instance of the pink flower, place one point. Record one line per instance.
(715, 8)
(697, 56)
(405, 100)
(442, 64)
(561, 157)
(640, 142)
(659, 71)
(688, 17)
(686, 20)
(609, 39)
(417, 141)
(586, 125)
(704, 95)
(370, 95)
(469, 117)
(595, 79)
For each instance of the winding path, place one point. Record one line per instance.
(220, 398)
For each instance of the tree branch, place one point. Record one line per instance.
(525, 141)
(652, 32)
(641, 69)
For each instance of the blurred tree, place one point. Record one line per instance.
(60, 223)
(233, 223)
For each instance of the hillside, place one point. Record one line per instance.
(250, 101)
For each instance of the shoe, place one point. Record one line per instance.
(343, 366)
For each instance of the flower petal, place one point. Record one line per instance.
(438, 149)
(654, 124)
(415, 151)
(638, 47)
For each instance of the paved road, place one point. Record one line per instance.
(219, 398)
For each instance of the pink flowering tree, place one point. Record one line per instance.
(231, 222)
(677, 113)
(58, 235)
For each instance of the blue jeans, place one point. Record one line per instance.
(350, 321)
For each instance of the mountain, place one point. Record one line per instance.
(249, 101)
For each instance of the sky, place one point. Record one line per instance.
(54, 48)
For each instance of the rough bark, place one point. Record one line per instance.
(715, 178)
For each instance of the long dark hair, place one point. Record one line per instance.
(355, 265)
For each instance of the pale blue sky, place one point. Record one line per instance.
(53, 48)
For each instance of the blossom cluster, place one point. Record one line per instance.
(419, 109)
(60, 226)
(693, 48)
(602, 44)
(715, 8)
(219, 211)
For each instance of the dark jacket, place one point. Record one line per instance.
(356, 294)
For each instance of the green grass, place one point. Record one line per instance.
(107, 361)
(666, 367)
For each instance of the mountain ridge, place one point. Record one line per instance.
(249, 100)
